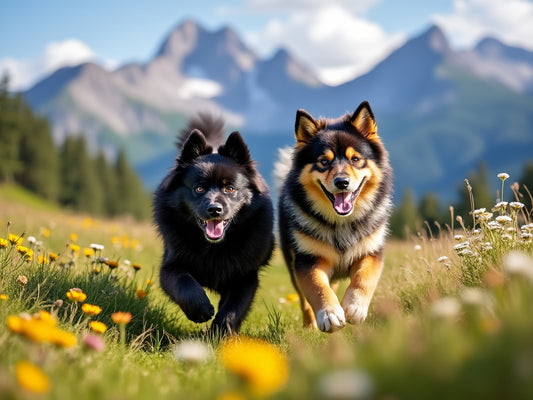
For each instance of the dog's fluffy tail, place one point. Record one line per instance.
(282, 166)
(212, 127)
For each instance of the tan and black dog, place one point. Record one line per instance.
(334, 207)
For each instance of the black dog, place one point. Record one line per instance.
(214, 213)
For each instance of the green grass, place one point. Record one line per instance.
(458, 328)
(14, 195)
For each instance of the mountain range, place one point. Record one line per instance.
(440, 111)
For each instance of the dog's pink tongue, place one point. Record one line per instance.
(215, 228)
(343, 202)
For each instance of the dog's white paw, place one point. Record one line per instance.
(355, 306)
(330, 319)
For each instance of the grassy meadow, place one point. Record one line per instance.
(451, 318)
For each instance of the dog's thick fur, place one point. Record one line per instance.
(214, 213)
(334, 207)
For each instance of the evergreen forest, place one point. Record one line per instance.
(69, 173)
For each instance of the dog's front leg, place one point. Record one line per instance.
(187, 293)
(313, 281)
(364, 278)
(235, 302)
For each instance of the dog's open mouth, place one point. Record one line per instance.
(343, 202)
(214, 228)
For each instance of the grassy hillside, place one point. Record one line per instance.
(16, 196)
(444, 322)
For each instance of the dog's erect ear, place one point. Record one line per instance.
(195, 146)
(363, 120)
(236, 149)
(305, 127)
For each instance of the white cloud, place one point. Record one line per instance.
(20, 72)
(270, 6)
(24, 73)
(471, 20)
(334, 41)
(65, 53)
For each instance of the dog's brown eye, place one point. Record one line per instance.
(229, 189)
(355, 159)
(325, 162)
(199, 189)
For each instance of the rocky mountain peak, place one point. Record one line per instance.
(436, 40)
(282, 63)
(492, 48)
(183, 37)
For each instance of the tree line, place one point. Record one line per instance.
(67, 174)
(429, 214)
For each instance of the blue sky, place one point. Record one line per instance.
(338, 38)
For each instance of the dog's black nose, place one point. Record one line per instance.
(341, 182)
(214, 209)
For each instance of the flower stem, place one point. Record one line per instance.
(122, 328)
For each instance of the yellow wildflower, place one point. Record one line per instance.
(149, 282)
(38, 331)
(43, 260)
(88, 252)
(40, 328)
(53, 256)
(76, 295)
(63, 338)
(15, 240)
(46, 317)
(98, 327)
(121, 318)
(91, 309)
(140, 293)
(74, 247)
(262, 365)
(3, 297)
(111, 264)
(25, 252)
(22, 250)
(231, 395)
(86, 223)
(136, 267)
(3, 243)
(14, 323)
(45, 232)
(31, 377)
(73, 237)
(292, 297)
(125, 241)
